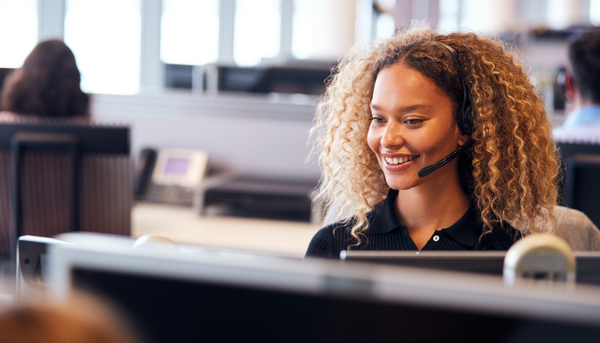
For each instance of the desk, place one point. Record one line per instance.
(183, 225)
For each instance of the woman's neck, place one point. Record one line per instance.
(430, 207)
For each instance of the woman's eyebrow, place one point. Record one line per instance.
(403, 109)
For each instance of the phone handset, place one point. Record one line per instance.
(143, 171)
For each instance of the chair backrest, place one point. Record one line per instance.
(570, 149)
(104, 187)
(582, 186)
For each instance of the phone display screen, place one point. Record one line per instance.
(177, 166)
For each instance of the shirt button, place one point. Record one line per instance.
(436, 238)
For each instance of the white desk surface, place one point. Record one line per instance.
(183, 225)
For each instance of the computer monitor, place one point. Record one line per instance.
(178, 76)
(175, 298)
(32, 258)
(32, 253)
(478, 262)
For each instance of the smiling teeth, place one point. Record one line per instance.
(399, 160)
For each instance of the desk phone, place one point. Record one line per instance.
(170, 175)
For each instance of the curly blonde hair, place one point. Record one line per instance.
(512, 168)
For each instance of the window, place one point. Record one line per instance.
(257, 30)
(482, 16)
(18, 31)
(189, 32)
(386, 26)
(105, 37)
(558, 12)
(595, 12)
(303, 25)
(477, 15)
(449, 14)
(323, 29)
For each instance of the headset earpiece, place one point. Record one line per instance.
(463, 119)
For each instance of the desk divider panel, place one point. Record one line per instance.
(104, 181)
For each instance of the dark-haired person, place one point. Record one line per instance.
(46, 86)
(436, 142)
(582, 85)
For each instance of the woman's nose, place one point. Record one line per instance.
(392, 137)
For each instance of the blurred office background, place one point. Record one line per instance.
(240, 78)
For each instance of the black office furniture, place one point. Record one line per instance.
(58, 176)
(276, 79)
(257, 197)
(570, 149)
(178, 76)
(580, 186)
(295, 77)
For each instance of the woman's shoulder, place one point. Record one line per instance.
(323, 244)
(501, 237)
(335, 229)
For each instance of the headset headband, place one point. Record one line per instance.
(464, 115)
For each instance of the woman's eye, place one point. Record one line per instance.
(413, 121)
(377, 120)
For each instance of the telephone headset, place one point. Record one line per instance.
(464, 119)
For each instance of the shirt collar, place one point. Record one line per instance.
(583, 116)
(382, 218)
(466, 230)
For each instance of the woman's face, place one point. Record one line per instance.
(413, 126)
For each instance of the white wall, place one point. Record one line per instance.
(259, 135)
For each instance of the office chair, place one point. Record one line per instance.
(57, 177)
(582, 185)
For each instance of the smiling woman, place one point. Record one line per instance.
(396, 109)
(412, 126)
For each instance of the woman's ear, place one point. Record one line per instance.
(462, 139)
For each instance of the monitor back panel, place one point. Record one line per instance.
(489, 262)
(171, 297)
(171, 310)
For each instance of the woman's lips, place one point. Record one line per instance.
(398, 162)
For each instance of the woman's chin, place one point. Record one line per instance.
(400, 184)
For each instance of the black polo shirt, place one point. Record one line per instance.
(386, 233)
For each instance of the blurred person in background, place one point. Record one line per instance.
(82, 319)
(46, 86)
(582, 87)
